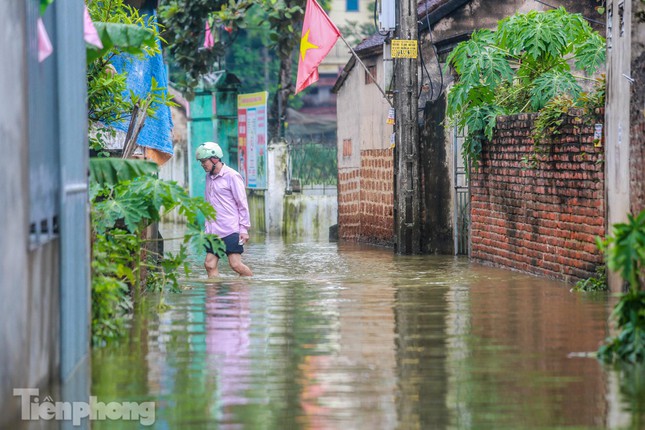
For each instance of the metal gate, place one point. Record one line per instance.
(312, 164)
(461, 209)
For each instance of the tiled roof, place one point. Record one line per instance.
(370, 42)
(424, 7)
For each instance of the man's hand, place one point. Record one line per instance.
(244, 237)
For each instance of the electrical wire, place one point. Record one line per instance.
(423, 65)
(436, 56)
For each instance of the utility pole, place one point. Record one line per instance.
(407, 186)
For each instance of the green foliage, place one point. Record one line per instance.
(551, 84)
(624, 251)
(285, 19)
(276, 24)
(550, 118)
(314, 163)
(250, 57)
(185, 30)
(104, 171)
(520, 67)
(128, 38)
(44, 4)
(111, 276)
(126, 201)
(123, 31)
(126, 196)
(594, 283)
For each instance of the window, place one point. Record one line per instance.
(352, 6)
(347, 147)
(368, 78)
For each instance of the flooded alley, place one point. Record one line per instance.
(344, 336)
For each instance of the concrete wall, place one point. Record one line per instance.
(257, 210)
(542, 218)
(29, 282)
(177, 168)
(302, 215)
(617, 132)
(437, 184)
(307, 214)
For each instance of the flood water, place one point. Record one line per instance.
(344, 336)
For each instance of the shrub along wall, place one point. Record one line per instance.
(539, 212)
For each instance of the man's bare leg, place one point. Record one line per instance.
(210, 264)
(235, 261)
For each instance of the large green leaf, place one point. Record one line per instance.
(553, 83)
(109, 171)
(128, 38)
(131, 210)
(591, 53)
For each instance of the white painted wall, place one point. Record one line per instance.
(309, 214)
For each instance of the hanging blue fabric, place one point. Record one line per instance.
(157, 131)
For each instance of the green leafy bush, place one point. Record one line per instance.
(625, 254)
(126, 198)
(126, 195)
(519, 68)
(594, 283)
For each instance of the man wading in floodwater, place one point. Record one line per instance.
(226, 193)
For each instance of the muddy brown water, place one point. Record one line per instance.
(345, 336)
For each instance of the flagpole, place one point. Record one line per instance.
(367, 71)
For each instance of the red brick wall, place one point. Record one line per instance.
(349, 197)
(377, 196)
(540, 220)
(366, 199)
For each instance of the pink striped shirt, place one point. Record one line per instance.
(226, 192)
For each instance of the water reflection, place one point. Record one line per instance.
(329, 336)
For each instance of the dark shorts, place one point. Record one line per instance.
(232, 245)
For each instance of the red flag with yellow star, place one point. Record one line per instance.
(319, 35)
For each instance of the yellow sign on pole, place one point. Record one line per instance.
(401, 48)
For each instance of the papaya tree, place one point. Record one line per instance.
(530, 60)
